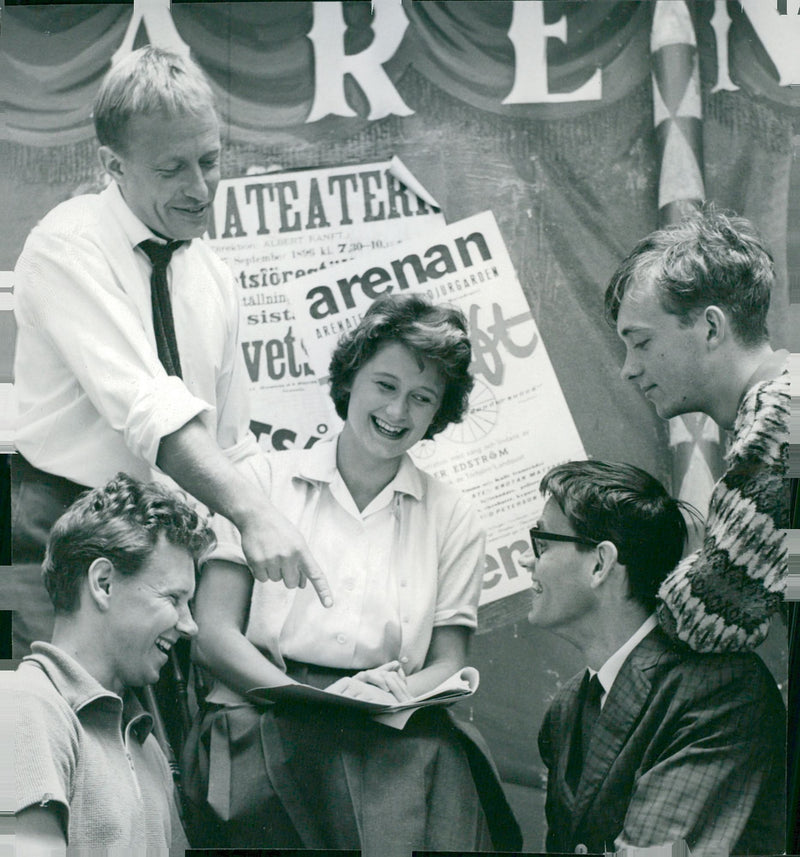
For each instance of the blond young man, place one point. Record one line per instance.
(690, 303)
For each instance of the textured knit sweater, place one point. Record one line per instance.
(721, 597)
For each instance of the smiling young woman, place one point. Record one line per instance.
(404, 556)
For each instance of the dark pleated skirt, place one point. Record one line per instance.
(319, 776)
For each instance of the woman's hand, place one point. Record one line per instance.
(357, 689)
(385, 684)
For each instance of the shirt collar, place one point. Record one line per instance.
(608, 673)
(319, 465)
(81, 690)
(135, 230)
(769, 368)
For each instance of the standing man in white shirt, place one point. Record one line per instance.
(127, 354)
(652, 743)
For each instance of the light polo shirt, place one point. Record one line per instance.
(93, 397)
(410, 561)
(607, 674)
(91, 754)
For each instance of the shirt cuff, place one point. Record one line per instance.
(466, 616)
(163, 406)
(229, 543)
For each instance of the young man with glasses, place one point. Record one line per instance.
(652, 743)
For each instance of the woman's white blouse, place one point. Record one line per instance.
(410, 561)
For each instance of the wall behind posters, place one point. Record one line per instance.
(541, 112)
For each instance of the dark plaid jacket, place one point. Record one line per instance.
(687, 746)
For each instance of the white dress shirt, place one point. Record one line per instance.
(410, 561)
(93, 397)
(607, 674)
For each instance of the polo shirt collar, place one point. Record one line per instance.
(135, 231)
(319, 466)
(80, 690)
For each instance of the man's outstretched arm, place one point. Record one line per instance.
(273, 547)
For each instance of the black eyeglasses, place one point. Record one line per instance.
(537, 534)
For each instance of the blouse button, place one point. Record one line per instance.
(340, 638)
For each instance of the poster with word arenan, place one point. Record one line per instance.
(518, 424)
(274, 229)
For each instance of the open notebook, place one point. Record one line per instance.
(459, 685)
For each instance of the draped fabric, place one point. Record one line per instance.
(573, 184)
(592, 164)
(261, 61)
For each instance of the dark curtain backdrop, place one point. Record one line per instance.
(572, 185)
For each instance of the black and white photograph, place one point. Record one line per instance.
(395, 426)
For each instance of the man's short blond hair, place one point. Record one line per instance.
(148, 81)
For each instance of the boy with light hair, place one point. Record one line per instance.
(690, 303)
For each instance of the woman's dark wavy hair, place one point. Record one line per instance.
(433, 332)
(121, 522)
(627, 506)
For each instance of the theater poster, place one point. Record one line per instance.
(276, 229)
(518, 424)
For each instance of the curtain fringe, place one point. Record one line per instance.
(518, 136)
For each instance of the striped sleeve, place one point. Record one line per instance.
(721, 598)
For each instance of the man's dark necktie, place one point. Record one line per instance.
(167, 696)
(167, 345)
(585, 717)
